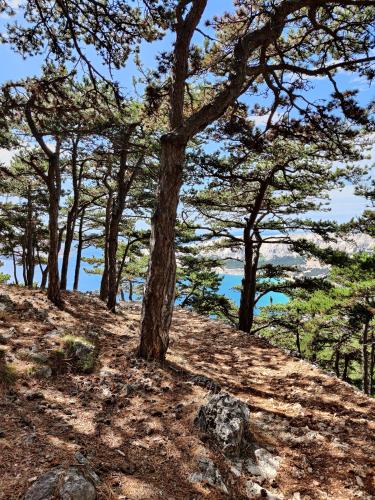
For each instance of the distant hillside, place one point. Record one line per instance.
(279, 254)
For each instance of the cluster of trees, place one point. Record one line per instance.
(225, 118)
(333, 326)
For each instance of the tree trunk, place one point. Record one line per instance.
(298, 341)
(346, 367)
(122, 263)
(123, 187)
(29, 240)
(72, 215)
(112, 261)
(248, 292)
(158, 300)
(130, 291)
(104, 282)
(44, 271)
(70, 225)
(365, 360)
(337, 362)
(24, 274)
(79, 251)
(372, 362)
(14, 267)
(122, 294)
(53, 290)
(245, 321)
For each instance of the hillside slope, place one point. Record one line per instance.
(135, 421)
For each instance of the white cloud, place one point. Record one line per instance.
(344, 205)
(262, 120)
(6, 156)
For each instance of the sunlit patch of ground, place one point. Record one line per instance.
(135, 421)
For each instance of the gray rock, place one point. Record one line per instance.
(4, 297)
(254, 490)
(208, 472)
(38, 356)
(226, 420)
(267, 463)
(41, 314)
(4, 338)
(62, 483)
(42, 372)
(6, 303)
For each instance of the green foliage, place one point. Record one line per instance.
(4, 278)
(198, 286)
(328, 324)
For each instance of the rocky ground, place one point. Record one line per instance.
(76, 404)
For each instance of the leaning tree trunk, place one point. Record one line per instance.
(158, 300)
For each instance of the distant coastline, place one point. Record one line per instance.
(233, 271)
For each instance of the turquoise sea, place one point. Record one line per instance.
(232, 280)
(91, 282)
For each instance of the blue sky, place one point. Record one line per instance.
(344, 204)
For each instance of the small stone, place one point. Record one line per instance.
(42, 372)
(156, 412)
(208, 472)
(81, 459)
(254, 490)
(4, 338)
(31, 396)
(127, 468)
(359, 481)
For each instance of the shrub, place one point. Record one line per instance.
(7, 372)
(80, 353)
